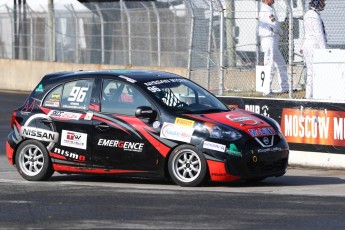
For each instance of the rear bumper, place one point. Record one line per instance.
(9, 153)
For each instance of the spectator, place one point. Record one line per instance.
(314, 38)
(269, 32)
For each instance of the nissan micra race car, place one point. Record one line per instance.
(142, 124)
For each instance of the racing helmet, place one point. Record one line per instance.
(319, 5)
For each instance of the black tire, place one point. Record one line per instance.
(187, 166)
(33, 161)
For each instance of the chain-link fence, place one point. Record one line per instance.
(215, 40)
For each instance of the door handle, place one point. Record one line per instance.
(102, 126)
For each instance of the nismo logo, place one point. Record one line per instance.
(72, 155)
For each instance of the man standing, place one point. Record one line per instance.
(269, 32)
(314, 38)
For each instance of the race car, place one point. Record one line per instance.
(140, 123)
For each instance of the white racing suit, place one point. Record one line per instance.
(269, 31)
(314, 38)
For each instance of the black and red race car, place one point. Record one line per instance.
(140, 123)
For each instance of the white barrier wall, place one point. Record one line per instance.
(24, 75)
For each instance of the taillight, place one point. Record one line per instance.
(14, 113)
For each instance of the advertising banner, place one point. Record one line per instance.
(307, 126)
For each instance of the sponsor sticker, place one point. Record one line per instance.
(64, 115)
(176, 132)
(128, 79)
(184, 122)
(242, 119)
(39, 134)
(88, 116)
(156, 124)
(164, 81)
(50, 103)
(125, 145)
(233, 150)
(56, 96)
(268, 131)
(73, 139)
(68, 154)
(39, 88)
(214, 146)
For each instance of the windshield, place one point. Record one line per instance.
(183, 96)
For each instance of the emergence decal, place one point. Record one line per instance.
(125, 145)
(73, 139)
(176, 132)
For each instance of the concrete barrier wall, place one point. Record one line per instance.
(24, 75)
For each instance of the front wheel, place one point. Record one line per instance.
(33, 162)
(187, 166)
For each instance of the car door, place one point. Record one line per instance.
(118, 136)
(67, 107)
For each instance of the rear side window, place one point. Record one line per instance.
(71, 95)
(53, 99)
(77, 94)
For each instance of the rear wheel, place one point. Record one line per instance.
(187, 166)
(33, 161)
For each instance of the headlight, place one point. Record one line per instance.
(225, 134)
(276, 124)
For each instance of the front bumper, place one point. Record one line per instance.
(258, 165)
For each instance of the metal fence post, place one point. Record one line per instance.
(257, 51)
(13, 29)
(158, 34)
(150, 31)
(102, 33)
(76, 53)
(189, 65)
(51, 30)
(291, 47)
(221, 47)
(230, 43)
(129, 33)
(208, 64)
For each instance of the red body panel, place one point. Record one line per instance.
(218, 172)
(9, 153)
(74, 169)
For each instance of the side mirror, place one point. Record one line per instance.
(145, 112)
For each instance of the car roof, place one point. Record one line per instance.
(137, 75)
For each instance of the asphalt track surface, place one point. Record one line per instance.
(302, 199)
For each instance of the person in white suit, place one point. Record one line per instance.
(314, 38)
(269, 32)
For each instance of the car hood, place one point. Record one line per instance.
(239, 119)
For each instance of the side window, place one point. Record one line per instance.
(77, 94)
(53, 99)
(122, 98)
